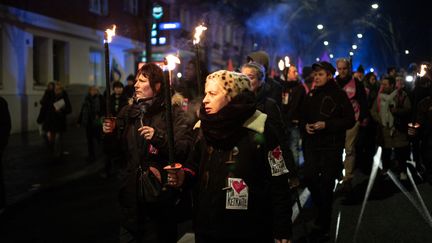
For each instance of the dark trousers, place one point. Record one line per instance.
(152, 223)
(401, 156)
(2, 187)
(321, 169)
(218, 239)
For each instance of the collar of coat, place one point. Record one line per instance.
(255, 123)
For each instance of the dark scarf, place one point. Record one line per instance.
(223, 129)
(148, 107)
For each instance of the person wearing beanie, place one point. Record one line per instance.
(271, 88)
(256, 75)
(240, 195)
(326, 114)
(141, 129)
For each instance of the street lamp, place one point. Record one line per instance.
(317, 59)
(375, 6)
(326, 43)
(331, 56)
(354, 47)
(359, 36)
(351, 53)
(406, 52)
(320, 26)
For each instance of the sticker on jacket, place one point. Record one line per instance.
(152, 150)
(277, 162)
(237, 197)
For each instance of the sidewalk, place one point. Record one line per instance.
(29, 167)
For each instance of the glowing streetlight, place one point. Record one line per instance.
(372, 70)
(351, 53)
(375, 6)
(317, 59)
(409, 78)
(406, 52)
(320, 26)
(281, 65)
(354, 47)
(287, 61)
(359, 35)
(331, 56)
(326, 43)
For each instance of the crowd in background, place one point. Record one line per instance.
(292, 129)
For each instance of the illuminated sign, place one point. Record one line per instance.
(157, 11)
(170, 26)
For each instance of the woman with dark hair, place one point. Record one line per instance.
(141, 127)
(240, 194)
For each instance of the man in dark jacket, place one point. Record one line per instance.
(271, 88)
(293, 94)
(326, 115)
(357, 95)
(5, 127)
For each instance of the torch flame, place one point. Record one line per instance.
(171, 62)
(281, 65)
(287, 61)
(423, 68)
(109, 33)
(198, 31)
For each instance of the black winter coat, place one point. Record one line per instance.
(269, 206)
(138, 151)
(55, 121)
(330, 104)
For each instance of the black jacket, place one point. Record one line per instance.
(269, 204)
(330, 104)
(55, 121)
(138, 151)
(296, 92)
(5, 124)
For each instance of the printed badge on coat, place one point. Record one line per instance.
(237, 197)
(277, 162)
(152, 150)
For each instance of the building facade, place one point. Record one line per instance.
(50, 40)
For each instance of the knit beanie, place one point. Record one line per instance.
(232, 82)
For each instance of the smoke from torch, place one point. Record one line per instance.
(109, 33)
(198, 31)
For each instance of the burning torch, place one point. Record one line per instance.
(197, 38)
(170, 64)
(414, 126)
(109, 33)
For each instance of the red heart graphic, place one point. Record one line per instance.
(277, 153)
(239, 185)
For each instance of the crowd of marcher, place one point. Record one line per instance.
(246, 142)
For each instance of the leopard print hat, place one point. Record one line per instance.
(232, 82)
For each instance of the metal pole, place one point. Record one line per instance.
(107, 78)
(198, 70)
(169, 119)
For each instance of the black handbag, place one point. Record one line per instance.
(148, 186)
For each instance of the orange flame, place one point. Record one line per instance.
(423, 68)
(198, 31)
(109, 33)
